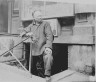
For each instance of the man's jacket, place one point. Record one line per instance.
(42, 37)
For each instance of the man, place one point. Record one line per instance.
(42, 37)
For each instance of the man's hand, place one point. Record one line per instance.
(48, 51)
(22, 34)
(29, 34)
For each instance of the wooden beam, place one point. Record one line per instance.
(72, 1)
(9, 16)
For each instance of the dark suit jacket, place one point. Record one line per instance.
(42, 37)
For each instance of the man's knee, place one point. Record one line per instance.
(48, 58)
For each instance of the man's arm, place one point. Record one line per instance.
(49, 36)
(25, 30)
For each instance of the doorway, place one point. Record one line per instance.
(60, 55)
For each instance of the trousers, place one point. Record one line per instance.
(42, 65)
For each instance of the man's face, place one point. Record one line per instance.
(38, 16)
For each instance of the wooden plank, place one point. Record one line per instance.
(75, 39)
(9, 16)
(75, 77)
(61, 75)
(72, 1)
(82, 8)
(64, 10)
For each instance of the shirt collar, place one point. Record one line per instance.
(35, 23)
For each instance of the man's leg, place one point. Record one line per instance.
(48, 61)
(34, 68)
(40, 66)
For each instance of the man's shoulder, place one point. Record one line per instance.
(45, 22)
(30, 25)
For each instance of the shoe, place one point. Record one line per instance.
(48, 79)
